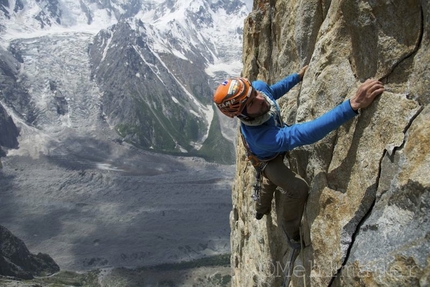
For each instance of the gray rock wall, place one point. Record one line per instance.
(17, 261)
(8, 131)
(367, 215)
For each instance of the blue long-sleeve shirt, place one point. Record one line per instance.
(268, 139)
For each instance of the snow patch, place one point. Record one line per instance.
(108, 166)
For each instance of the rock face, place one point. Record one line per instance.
(366, 221)
(135, 94)
(17, 261)
(8, 130)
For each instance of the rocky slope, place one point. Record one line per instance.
(366, 220)
(18, 99)
(17, 261)
(8, 132)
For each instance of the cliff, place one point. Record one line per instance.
(17, 261)
(8, 88)
(8, 132)
(366, 220)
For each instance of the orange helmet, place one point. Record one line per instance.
(231, 96)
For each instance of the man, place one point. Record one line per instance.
(267, 138)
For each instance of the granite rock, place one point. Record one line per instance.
(365, 221)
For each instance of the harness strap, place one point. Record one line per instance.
(259, 166)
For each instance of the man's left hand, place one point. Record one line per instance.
(302, 72)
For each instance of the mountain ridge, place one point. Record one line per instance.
(174, 44)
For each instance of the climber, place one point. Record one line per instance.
(267, 138)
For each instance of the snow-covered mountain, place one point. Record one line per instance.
(150, 67)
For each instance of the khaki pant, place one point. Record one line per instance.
(291, 201)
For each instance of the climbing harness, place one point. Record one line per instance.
(259, 166)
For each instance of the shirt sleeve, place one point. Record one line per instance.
(275, 139)
(283, 86)
(278, 89)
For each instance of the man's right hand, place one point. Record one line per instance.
(366, 93)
